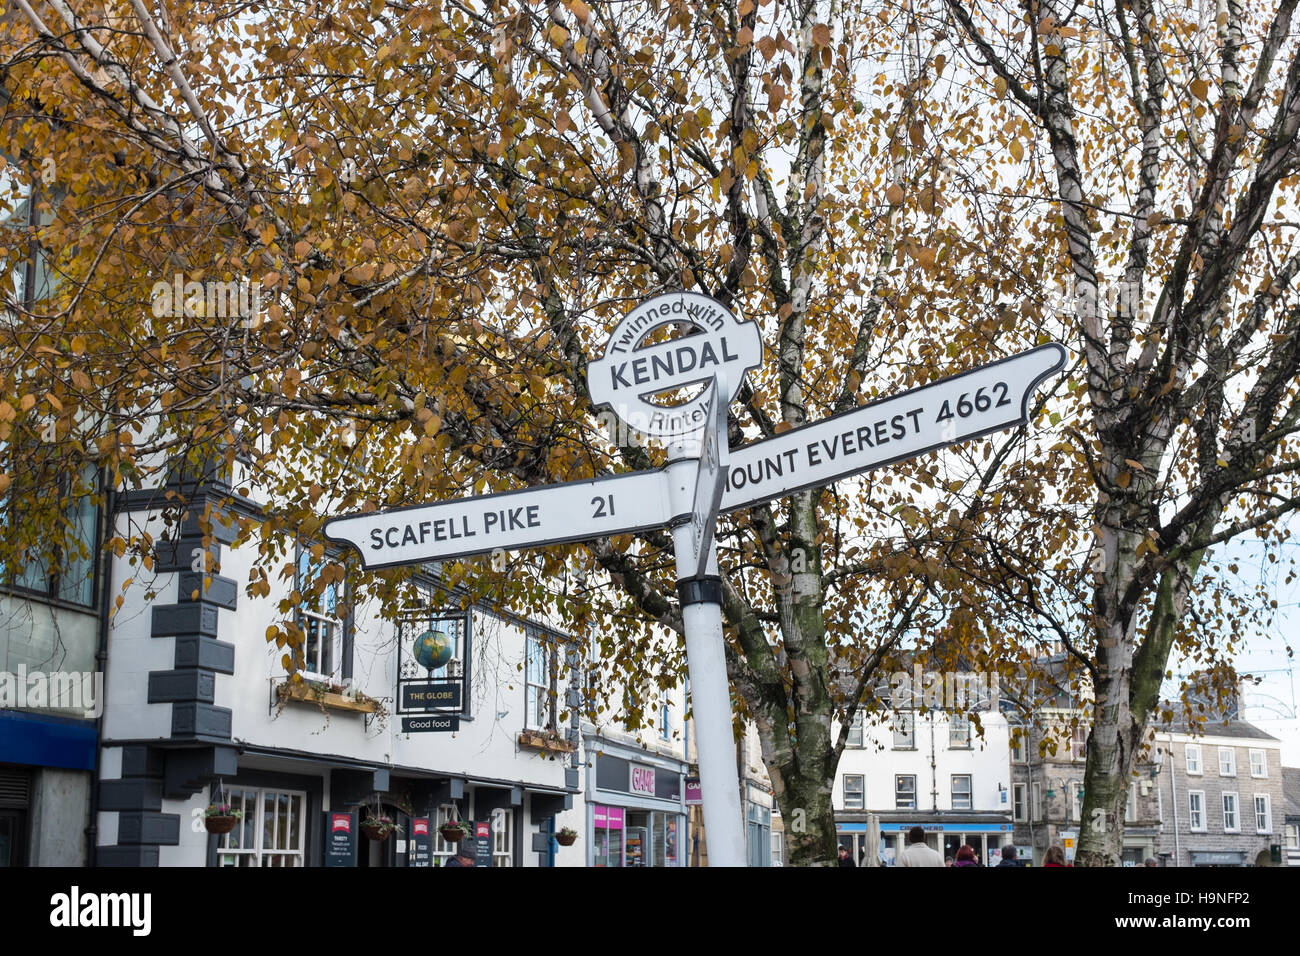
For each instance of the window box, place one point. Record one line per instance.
(329, 696)
(545, 740)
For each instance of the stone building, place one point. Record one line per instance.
(1221, 794)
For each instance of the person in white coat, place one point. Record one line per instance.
(917, 853)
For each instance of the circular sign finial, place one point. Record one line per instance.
(630, 373)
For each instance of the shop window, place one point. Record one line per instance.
(607, 831)
(961, 791)
(1227, 762)
(540, 681)
(272, 831)
(854, 791)
(1193, 753)
(1196, 810)
(905, 730)
(1231, 823)
(905, 792)
(959, 733)
(1263, 814)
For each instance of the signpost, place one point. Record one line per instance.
(696, 485)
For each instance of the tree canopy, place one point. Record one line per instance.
(443, 207)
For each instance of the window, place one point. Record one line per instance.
(961, 791)
(1227, 762)
(1258, 764)
(1230, 822)
(272, 831)
(1193, 758)
(1038, 801)
(539, 677)
(1076, 801)
(318, 614)
(62, 570)
(905, 731)
(1130, 805)
(1263, 814)
(778, 848)
(441, 848)
(959, 733)
(855, 731)
(665, 725)
(1196, 810)
(905, 792)
(1018, 802)
(1017, 748)
(1293, 836)
(1079, 743)
(854, 791)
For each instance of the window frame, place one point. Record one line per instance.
(1236, 811)
(1268, 812)
(1263, 759)
(334, 625)
(1018, 803)
(955, 724)
(1188, 751)
(857, 728)
(259, 853)
(969, 792)
(899, 802)
(52, 569)
(1078, 744)
(1231, 753)
(908, 718)
(861, 790)
(1192, 812)
(535, 638)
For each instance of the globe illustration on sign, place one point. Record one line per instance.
(432, 649)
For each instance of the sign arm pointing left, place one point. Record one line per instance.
(554, 514)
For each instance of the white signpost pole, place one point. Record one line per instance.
(695, 486)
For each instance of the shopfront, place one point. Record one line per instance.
(636, 814)
(987, 839)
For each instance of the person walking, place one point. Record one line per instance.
(1009, 856)
(846, 858)
(965, 857)
(1055, 856)
(917, 853)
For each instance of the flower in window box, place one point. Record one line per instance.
(566, 836)
(453, 831)
(221, 818)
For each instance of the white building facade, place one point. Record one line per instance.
(200, 711)
(928, 768)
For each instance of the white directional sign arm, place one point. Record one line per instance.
(554, 514)
(983, 400)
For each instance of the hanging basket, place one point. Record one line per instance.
(220, 824)
(452, 834)
(374, 831)
(566, 839)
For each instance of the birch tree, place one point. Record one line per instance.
(1154, 146)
